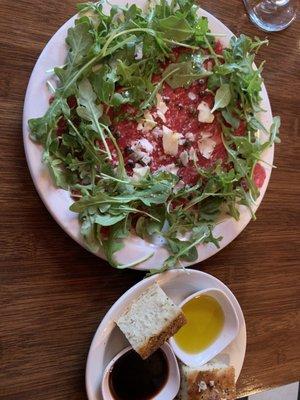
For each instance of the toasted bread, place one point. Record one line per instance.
(212, 381)
(150, 320)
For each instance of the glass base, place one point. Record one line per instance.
(272, 15)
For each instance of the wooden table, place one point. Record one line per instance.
(54, 293)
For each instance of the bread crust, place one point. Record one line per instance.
(155, 342)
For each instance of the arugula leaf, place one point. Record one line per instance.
(184, 74)
(186, 250)
(108, 220)
(157, 194)
(79, 40)
(201, 30)
(174, 27)
(89, 231)
(57, 172)
(222, 97)
(103, 82)
(41, 127)
(210, 209)
(230, 118)
(114, 243)
(88, 110)
(274, 131)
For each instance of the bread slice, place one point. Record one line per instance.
(212, 381)
(150, 320)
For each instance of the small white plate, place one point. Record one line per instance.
(178, 284)
(228, 334)
(58, 201)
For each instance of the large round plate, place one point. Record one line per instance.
(178, 284)
(58, 201)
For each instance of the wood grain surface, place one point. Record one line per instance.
(54, 293)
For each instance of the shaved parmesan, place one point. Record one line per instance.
(161, 107)
(147, 123)
(205, 114)
(184, 158)
(145, 144)
(206, 147)
(193, 155)
(192, 96)
(139, 172)
(205, 135)
(169, 168)
(170, 141)
(146, 159)
(182, 139)
(190, 136)
(157, 132)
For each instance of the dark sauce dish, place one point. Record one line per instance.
(132, 378)
(128, 377)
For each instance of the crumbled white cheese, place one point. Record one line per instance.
(192, 96)
(206, 147)
(142, 149)
(157, 132)
(170, 141)
(145, 144)
(205, 114)
(166, 129)
(147, 159)
(160, 104)
(161, 107)
(184, 158)
(138, 54)
(182, 139)
(169, 168)
(206, 134)
(147, 123)
(202, 386)
(193, 154)
(257, 134)
(139, 172)
(190, 136)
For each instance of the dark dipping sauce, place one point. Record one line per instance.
(132, 378)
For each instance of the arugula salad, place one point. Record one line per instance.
(153, 127)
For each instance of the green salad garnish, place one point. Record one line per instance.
(119, 67)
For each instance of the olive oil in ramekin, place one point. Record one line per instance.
(205, 321)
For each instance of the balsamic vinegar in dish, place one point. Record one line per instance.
(132, 378)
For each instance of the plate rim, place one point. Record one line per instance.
(236, 227)
(138, 287)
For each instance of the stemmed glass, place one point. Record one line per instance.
(271, 15)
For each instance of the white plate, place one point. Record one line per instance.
(178, 284)
(58, 201)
